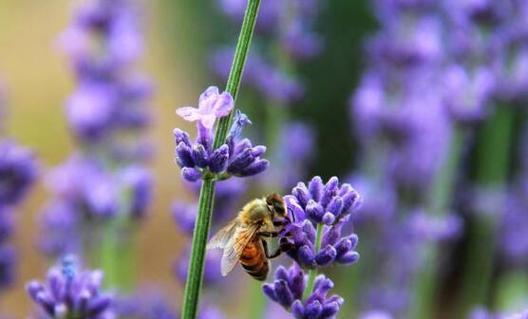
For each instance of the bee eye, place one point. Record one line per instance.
(278, 208)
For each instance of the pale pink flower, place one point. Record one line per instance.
(212, 105)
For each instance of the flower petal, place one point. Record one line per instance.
(223, 104)
(189, 113)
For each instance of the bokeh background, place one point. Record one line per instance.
(180, 37)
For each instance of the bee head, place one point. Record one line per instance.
(276, 204)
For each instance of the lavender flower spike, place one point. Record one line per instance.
(234, 158)
(288, 288)
(212, 105)
(321, 205)
(18, 170)
(71, 294)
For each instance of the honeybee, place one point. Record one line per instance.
(246, 238)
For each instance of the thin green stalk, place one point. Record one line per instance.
(118, 254)
(207, 191)
(313, 272)
(117, 249)
(438, 202)
(237, 67)
(492, 172)
(196, 261)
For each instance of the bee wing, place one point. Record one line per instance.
(222, 237)
(235, 247)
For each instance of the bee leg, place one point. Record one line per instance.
(267, 253)
(285, 244)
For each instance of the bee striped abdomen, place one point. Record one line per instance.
(254, 260)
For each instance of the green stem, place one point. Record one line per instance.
(313, 272)
(117, 247)
(205, 202)
(438, 202)
(237, 68)
(492, 172)
(196, 261)
(118, 254)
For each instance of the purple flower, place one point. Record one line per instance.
(513, 223)
(403, 45)
(426, 227)
(86, 193)
(6, 223)
(8, 262)
(234, 158)
(69, 292)
(111, 97)
(375, 314)
(269, 12)
(212, 105)
(145, 305)
(301, 43)
(212, 273)
(90, 110)
(511, 59)
(138, 181)
(481, 313)
(467, 95)
(293, 156)
(18, 170)
(321, 205)
(287, 290)
(59, 224)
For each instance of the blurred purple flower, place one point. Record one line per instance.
(513, 225)
(467, 94)
(401, 44)
(212, 105)
(107, 113)
(91, 189)
(59, 225)
(301, 43)
(377, 205)
(138, 181)
(269, 12)
(86, 193)
(375, 314)
(287, 290)
(8, 261)
(260, 74)
(145, 305)
(427, 227)
(111, 100)
(90, 110)
(481, 313)
(212, 273)
(293, 155)
(18, 170)
(69, 292)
